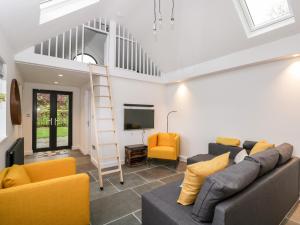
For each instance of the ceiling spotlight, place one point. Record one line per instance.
(55, 82)
(60, 75)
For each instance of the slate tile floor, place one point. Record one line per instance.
(121, 204)
(118, 204)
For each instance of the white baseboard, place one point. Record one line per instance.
(75, 148)
(183, 158)
(28, 153)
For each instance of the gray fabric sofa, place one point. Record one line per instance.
(264, 202)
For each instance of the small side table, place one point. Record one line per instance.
(135, 155)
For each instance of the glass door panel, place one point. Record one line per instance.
(43, 120)
(52, 120)
(62, 120)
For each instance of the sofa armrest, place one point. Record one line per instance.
(177, 140)
(266, 201)
(60, 201)
(40, 171)
(152, 141)
(218, 149)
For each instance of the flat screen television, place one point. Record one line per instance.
(138, 119)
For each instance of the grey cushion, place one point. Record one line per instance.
(267, 160)
(248, 145)
(285, 153)
(222, 185)
(218, 149)
(160, 207)
(200, 158)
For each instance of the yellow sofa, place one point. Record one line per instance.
(55, 196)
(164, 146)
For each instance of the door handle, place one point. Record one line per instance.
(51, 121)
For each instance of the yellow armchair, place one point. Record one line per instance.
(164, 146)
(55, 196)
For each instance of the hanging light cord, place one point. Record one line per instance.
(173, 6)
(154, 22)
(160, 17)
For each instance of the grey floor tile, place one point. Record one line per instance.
(127, 169)
(138, 214)
(83, 160)
(85, 167)
(130, 180)
(156, 173)
(147, 187)
(96, 193)
(127, 220)
(173, 178)
(92, 179)
(114, 206)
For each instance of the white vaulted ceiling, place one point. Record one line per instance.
(204, 29)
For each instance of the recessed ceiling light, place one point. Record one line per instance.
(55, 82)
(60, 75)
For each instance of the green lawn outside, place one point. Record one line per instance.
(43, 132)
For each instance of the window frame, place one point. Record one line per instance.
(254, 30)
(85, 54)
(3, 133)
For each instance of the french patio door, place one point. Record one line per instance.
(52, 120)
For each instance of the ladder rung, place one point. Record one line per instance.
(110, 171)
(106, 131)
(112, 143)
(101, 75)
(105, 119)
(100, 85)
(108, 107)
(109, 158)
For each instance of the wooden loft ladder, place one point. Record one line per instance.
(104, 124)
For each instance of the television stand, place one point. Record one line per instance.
(135, 155)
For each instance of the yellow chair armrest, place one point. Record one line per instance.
(177, 139)
(152, 141)
(51, 169)
(60, 201)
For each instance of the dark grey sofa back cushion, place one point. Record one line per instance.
(218, 149)
(285, 151)
(267, 159)
(222, 185)
(248, 145)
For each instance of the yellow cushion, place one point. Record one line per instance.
(261, 146)
(196, 175)
(162, 152)
(228, 141)
(2, 175)
(16, 176)
(165, 139)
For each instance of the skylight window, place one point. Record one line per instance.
(53, 9)
(262, 16)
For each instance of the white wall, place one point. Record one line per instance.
(27, 112)
(137, 92)
(12, 131)
(258, 102)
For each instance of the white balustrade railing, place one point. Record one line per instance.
(71, 43)
(129, 54)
